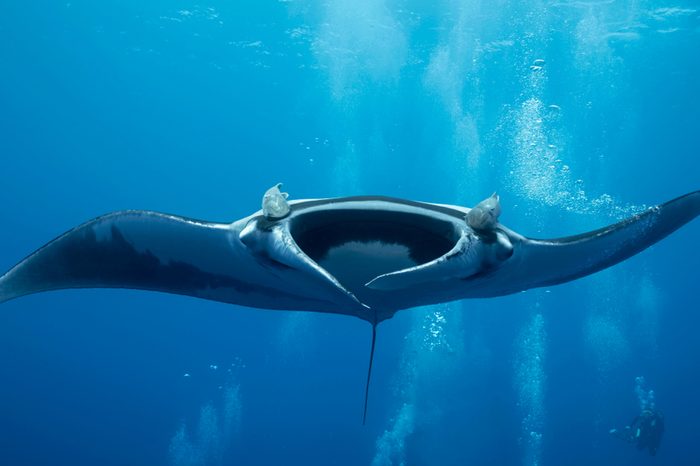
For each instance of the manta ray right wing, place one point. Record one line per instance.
(556, 261)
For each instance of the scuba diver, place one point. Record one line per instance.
(647, 429)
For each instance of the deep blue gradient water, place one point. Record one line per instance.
(196, 108)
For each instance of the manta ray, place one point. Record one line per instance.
(366, 257)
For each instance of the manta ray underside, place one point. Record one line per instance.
(366, 257)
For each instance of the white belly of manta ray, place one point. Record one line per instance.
(356, 263)
(367, 257)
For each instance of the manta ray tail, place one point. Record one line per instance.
(369, 371)
(565, 259)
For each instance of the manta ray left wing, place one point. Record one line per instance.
(159, 252)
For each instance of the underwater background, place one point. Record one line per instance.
(578, 113)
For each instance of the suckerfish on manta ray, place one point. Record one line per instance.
(367, 257)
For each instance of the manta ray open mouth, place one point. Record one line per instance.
(356, 246)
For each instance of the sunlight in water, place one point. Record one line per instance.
(606, 341)
(605, 330)
(647, 311)
(346, 172)
(359, 43)
(451, 74)
(295, 327)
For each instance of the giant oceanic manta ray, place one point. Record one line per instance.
(367, 257)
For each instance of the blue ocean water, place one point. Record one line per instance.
(579, 113)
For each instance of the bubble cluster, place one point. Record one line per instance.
(424, 365)
(209, 441)
(391, 444)
(645, 396)
(530, 379)
(538, 172)
(433, 330)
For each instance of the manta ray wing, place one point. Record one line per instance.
(538, 263)
(160, 252)
(577, 256)
(363, 256)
